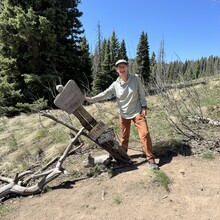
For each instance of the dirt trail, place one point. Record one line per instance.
(132, 194)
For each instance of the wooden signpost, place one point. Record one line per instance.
(70, 99)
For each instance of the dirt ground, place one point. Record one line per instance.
(132, 194)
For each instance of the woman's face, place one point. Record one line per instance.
(122, 70)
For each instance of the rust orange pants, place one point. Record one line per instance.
(140, 123)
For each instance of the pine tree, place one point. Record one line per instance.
(143, 59)
(85, 63)
(114, 56)
(12, 42)
(114, 48)
(97, 57)
(122, 54)
(133, 67)
(104, 78)
(97, 80)
(170, 72)
(39, 46)
(153, 65)
(195, 70)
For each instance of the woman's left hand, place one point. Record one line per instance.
(144, 112)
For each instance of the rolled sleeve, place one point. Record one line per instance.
(108, 93)
(141, 92)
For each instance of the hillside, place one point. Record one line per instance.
(191, 190)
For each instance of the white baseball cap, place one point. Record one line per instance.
(121, 61)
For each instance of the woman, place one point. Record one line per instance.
(130, 96)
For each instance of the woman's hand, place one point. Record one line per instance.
(88, 99)
(144, 112)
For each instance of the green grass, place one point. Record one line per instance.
(12, 143)
(22, 161)
(42, 133)
(95, 171)
(162, 179)
(117, 199)
(4, 210)
(208, 155)
(47, 189)
(59, 136)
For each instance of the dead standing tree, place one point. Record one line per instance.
(69, 100)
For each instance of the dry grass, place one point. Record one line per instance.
(25, 137)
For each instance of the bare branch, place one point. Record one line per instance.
(15, 187)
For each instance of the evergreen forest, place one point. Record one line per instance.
(42, 44)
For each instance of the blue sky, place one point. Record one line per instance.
(190, 28)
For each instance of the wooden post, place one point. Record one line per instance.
(70, 99)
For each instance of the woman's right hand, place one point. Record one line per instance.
(88, 99)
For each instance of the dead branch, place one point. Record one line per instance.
(180, 109)
(37, 174)
(111, 146)
(16, 187)
(204, 120)
(57, 158)
(6, 179)
(16, 178)
(49, 115)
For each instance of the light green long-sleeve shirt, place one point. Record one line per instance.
(130, 95)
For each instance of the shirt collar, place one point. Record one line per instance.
(122, 82)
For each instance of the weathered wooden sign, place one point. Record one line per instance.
(97, 130)
(70, 98)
